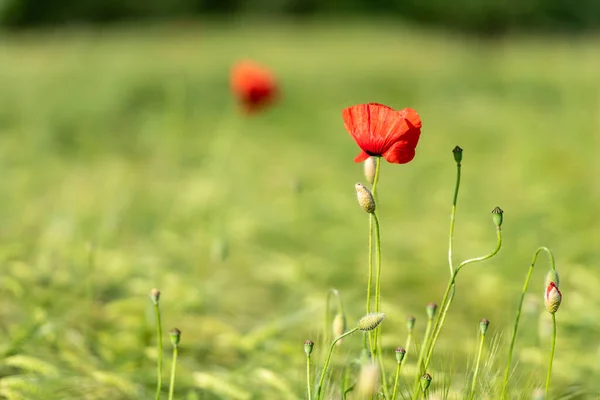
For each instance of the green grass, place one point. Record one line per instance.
(125, 166)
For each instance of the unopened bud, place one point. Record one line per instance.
(370, 167)
(339, 326)
(552, 276)
(370, 321)
(425, 382)
(400, 352)
(368, 381)
(410, 323)
(497, 216)
(308, 346)
(175, 335)
(431, 309)
(483, 325)
(457, 153)
(552, 298)
(538, 394)
(365, 198)
(155, 295)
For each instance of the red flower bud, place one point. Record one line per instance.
(552, 298)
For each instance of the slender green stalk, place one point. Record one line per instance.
(328, 320)
(378, 261)
(172, 384)
(381, 364)
(518, 317)
(370, 279)
(407, 348)
(551, 354)
(450, 290)
(160, 350)
(477, 364)
(452, 217)
(416, 388)
(328, 360)
(397, 379)
(308, 385)
(376, 178)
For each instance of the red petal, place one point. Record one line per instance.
(362, 156)
(412, 116)
(374, 127)
(400, 153)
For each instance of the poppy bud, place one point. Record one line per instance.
(410, 323)
(497, 216)
(368, 381)
(308, 346)
(425, 382)
(365, 198)
(370, 321)
(552, 276)
(483, 325)
(431, 309)
(400, 352)
(457, 153)
(552, 298)
(175, 335)
(370, 168)
(154, 295)
(339, 326)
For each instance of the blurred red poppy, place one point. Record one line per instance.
(381, 131)
(253, 85)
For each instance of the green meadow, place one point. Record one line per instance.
(125, 165)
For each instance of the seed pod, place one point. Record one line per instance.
(308, 346)
(483, 325)
(175, 335)
(400, 353)
(457, 153)
(425, 382)
(497, 216)
(155, 295)
(410, 323)
(431, 308)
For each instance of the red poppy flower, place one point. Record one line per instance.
(381, 131)
(254, 86)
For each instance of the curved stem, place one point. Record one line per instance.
(551, 354)
(518, 317)
(474, 384)
(452, 217)
(328, 360)
(308, 385)
(172, 384)
(445, 307)
(160, 351)
(416, 388)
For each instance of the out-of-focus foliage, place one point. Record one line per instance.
(484, 17)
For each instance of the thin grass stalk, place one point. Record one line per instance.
(477, 364)
(518, 317)
(159, 345)
(549, 375)
(173, 365)
(328, 360)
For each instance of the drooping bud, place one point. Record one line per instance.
(552, 276)
(370, 321)
(338, 326)
(431, 309)
(425, 382)
(365, 198)
(155, 295)
(410, 323)
(175, 335)
(368, 381)
(552, 298)
(457, 153)
(370, 167)
(483, 325)
(400, 352)
(308, 347)
(497, 216)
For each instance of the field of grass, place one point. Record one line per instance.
(124, 165)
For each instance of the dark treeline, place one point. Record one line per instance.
(480, 16)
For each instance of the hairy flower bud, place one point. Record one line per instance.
(338, 326)
(370, 321)
(370, 168)
(483, 325)
(365, 198)
(552, 298)
(308, 346)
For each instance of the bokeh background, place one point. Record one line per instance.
(125, 164)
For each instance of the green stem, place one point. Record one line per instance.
(474, 384)
(328, 360)
(452, 217)
(407, 347)
(378, 260)
(518, 317)
(160, 351)
(370, 280)
(396, 381)
(551, 354)
(308, 385)
(448, 299)
(328, 321)
(376, 178)
(416, 388)
(172, 384)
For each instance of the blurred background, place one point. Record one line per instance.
(126, 164)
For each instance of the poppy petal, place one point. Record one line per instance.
(362, 156)
(373, 126)
(412, 117)
(400, 153)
